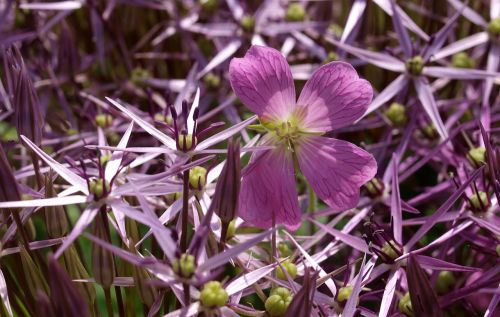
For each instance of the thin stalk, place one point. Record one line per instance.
(109, 304)
(185, 201)
(223, 236)
(119, 301)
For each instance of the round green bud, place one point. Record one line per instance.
(185, 142)
(479, 202)
(392, 250)
(463, 60)
(331, 57)
(494, 27)
(172, 197)
(160, 117)
(98, 186)
(404, 305)
(184, 266)
(415, 65)
(336, 29)
(231, 229)
(430, 131)
(212, 81)
(290, 268)
(295, 13)
(104, 159)
(209, 6)
(138, 74)
(277, 303)
(477, 156)
(71, 132)
(198, 177)
(445, 282)
(103, 120)
(374, 187)
(396, 113)
(213, 295)
(498, 250)
(344, 293)
(284, 249)
(248, 23)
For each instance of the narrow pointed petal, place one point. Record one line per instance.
(469, 13)
(221, 56)
(263, 81)
(344, 169)
(357, 10)
(492, 66)
(248, 279)
(60, 169)
(426, 97)
(4, 294)
(390, 91)
(83, 222)
(334, 97)
(116, 158)
(403, 36)
(57, 6)
(45, 202)
(396, 215)
(268, 190)
(437, 264)
(494, 9)
(160, 136)
(388, 295)
(461, 45)
(224, 135)
(440, 37)
(236, 9)
(348, 239)
(460, 73)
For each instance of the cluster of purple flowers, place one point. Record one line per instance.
(155, 159)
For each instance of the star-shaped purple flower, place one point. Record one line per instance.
(334, 97)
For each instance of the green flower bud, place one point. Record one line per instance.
(213, 295)
(211, 81)
(405, 305)
(374, 188)
(396, 113)
(463, 60)
(498, 250)
(185, 142)
(331, 57)
(284, 249)
(445, 282)
(104, 159)
(277, 303)
(209, 6)
(290, 268)
(103, 263)
(103, 120)
(415, 65)
(494, 27)
(198, 177)
(336, 29)
(248, 23)
(138, 74)
(171, 198)
(479, 202)
(344, 293)
(184, 266)
(32, 273)
(392, 250)
(71, 132)
(231, 229)
(430, 131)
(160, 117)
(477, 156)
(99, 188)
(295, 13)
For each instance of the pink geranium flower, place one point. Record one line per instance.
(332, 98)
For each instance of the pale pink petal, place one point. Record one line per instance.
(335, 169)
(267, 188)
(334, 97)
(263, 81)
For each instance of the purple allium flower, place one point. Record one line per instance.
(334, 97)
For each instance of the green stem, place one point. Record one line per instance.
(109, 304)
(311, 208)
(185, 202)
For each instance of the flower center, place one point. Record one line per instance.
(284, 132)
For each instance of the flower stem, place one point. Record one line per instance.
(223, 236)
(185, 201)
(109, 305)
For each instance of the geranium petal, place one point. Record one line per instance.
(334, 97)
(263, 81)
(344, 169)
(267, 188)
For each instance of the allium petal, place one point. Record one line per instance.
(335, 97)
(267, 188)
(263, 81)
(344, 169)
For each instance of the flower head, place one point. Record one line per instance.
(334, 97)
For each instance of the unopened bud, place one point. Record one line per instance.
(277, 303)
(396, 113)
(209, 6)
(284, 249)
(104, 159)
(184, 266)
(445, 282)
(405, 305)
(146, 290)
(289, 267)
(430, 131)
(103, 263)
(99, 188)
(248, 23)
(138, 75)
(103, 120)
(32, 273)
(295, 13)
(331, 57)
(463, 60)
(494, 27)
(477, 156)
(213, 295)
(415, 65)
(56, 221)
(344, 293)
(479, 202)
(212, 81)
(77, 271)
(172, 197)
(198, 177)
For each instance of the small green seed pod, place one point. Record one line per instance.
(277, 303)
(290, 268)
(213, 295)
